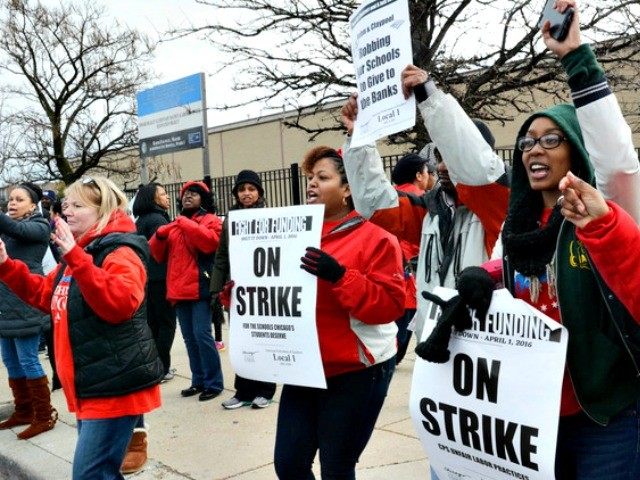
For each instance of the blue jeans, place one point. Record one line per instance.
(204, 360)
(337, 421)
(588, 451)
(102, 445)
(20, 356)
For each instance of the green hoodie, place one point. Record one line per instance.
(604, 375)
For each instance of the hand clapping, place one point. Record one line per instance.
(63, 237)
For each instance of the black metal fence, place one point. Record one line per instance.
(282, 187)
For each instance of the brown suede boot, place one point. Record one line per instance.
(44, 415)
(23, 413)
(136, 455)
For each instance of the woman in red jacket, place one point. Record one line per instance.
(609, 234)
(96, 298)
(188, 245)
(360, 294)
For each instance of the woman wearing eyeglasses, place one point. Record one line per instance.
(105, 353)
(546, 265)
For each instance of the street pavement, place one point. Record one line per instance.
(196, 440)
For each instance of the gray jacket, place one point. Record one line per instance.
(26, 240)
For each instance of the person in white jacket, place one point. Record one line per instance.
(457, 223)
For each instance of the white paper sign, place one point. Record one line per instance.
(492, 411)
(381, 48)
(273, 335)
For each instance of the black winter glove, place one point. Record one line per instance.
(475, 288)
(322, 265)
(454, 313)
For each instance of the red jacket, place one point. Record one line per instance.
(114, 292)
(188, 246)
(409, 251)
(611, 242)
(355, 316)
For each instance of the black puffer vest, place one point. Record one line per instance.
(111, 360)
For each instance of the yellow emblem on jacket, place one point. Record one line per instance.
(578, 255)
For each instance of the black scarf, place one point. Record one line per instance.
(528, 246)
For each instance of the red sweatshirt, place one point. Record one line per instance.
(611, 241)
(114, 292)
(409, 251)
(179, 244)
(355, 316)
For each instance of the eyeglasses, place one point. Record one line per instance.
(548, 142)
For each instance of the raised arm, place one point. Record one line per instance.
(606, 134)
(28, 231)
(373, 195)
(32, 288)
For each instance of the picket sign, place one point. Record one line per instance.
(492, 411)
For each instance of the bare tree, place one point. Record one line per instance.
(488, 54)
(74, 73)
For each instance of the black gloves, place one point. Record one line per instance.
(322, 265)
(475, 289)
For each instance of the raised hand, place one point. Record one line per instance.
(63, 237)
(411, 77)
(350, 112)
(3, 252)
(580, 202)
(573, 40)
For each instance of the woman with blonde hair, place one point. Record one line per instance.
(105, 354)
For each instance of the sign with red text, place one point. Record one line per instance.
(492, 411)
(273, 335)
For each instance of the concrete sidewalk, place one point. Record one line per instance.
(189, 439)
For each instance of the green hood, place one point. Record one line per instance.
(564, 115)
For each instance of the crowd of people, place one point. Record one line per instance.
(560, 224)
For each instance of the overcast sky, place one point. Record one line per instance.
(179, 58)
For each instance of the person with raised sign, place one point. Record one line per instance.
(360, 294)
(457, 223)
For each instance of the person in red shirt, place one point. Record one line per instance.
(413, 174)
(188, 246)
(96, 298)
(360, 294)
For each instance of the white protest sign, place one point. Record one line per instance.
(381, 48)
(492, 411)
(273, 335)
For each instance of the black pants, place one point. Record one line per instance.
(247, 390)
(337, 421)
(217, 318)
(161, 317)
(404, 334)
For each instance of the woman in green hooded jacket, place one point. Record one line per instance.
(546, 265)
